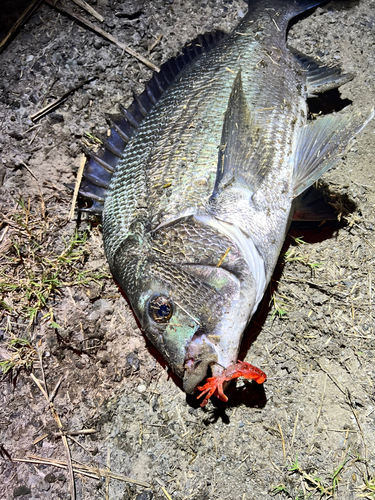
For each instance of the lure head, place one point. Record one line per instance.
(193, 294)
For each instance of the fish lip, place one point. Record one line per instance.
(191, 380)
(203, 351)
(200, 355)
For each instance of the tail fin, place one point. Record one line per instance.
(285, 10)
(295, 6)
(299, 6)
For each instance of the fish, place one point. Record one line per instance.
(200, 179)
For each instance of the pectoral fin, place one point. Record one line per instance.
(321, 144)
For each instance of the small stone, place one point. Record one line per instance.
(105, 360)
(141, 388)
(33, 98)
(16, 135)
(102, 305)
(94, 316)
(74, 149)
(132, 363)
(44, 486)
(145, 495)
(56, 118)
(21, 490)
(50, 478)
(110, 23)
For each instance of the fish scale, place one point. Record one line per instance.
(197, 210)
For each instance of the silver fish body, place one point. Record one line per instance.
(201, 199)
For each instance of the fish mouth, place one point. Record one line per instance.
(206, 345)
(200, 356)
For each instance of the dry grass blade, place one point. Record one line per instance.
(57, 102)
(38, 186)
(29, 170)
(40, 438)
(85, 470)
(25, 14)
(282, 440)
(37, 381)
(104, 34)
(223, 257)
(294, 431)
(50, 399)
(76, 433)
(167, 495)
(76, 187)
(63, 437)
(153, 45)
(31, 272)
(332, 378)
(107, 479)
(89, 9)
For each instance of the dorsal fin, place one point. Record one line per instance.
(124, 125)
(241, 144)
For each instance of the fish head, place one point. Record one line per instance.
(193, 293)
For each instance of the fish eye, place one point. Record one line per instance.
(160, 308)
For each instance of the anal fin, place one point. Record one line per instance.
(320, 78)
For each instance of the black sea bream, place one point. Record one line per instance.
(208, 163)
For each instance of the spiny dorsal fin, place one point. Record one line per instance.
(124, 125)
(239, 151)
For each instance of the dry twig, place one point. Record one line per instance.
(89, 9)
(153, 45)
(76, 187)
(63, 437)
(25, 14)
(85, 470)
(58, 101)
(167, 495)
(282, 439)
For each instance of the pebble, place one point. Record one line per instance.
(101, 305)
(94, 316)
(21, 490)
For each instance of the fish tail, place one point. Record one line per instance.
(287, 9)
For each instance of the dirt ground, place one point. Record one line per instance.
(309, 432)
